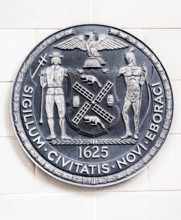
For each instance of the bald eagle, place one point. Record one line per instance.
(91, 45)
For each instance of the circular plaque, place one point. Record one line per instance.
(92, 105)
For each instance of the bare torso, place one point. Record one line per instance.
(132, 75)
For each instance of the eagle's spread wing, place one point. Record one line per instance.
(106, 42)
(72, 43)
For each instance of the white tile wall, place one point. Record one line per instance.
(165, 43)
(28, 193)
(66, 206)
(16, 170)
(13, 51)
(44, 13)
(41, 34)
(139, 206)
(49, 185)
(138, 183)
(163, 173)
(135, 32)
(176, 124)
(138, 14)
(6, 129)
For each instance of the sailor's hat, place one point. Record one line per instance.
(56, 54)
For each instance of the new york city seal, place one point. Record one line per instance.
(92, 105)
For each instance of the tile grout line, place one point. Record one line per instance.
(36, 173)
(35, 167)
(98, 193)
(148, 178)
(143, 34)
(8, 81)
(36, 34)
(92, 14)
(95, 205)
(142, 191)
(147, 28)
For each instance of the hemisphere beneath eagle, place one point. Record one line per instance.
(92, 46)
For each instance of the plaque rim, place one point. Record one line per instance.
(71, 178)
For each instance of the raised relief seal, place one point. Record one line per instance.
(92, 105)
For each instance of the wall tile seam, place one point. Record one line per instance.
(92, 11)
(147, 177)
(96, 199)
(8, 81)
(94, 23)
(82, 193)
(35, 178)
(140, 191)
(26, 28)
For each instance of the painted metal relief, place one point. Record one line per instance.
(92, 105)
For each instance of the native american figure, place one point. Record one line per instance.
(135, 78)
(92, 46)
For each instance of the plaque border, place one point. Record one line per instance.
(77, 179)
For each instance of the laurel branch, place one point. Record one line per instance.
(115, 141)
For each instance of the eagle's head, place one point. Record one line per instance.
(90, 34)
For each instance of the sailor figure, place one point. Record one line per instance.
(52, 77)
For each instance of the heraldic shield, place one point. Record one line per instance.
(93, 102)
